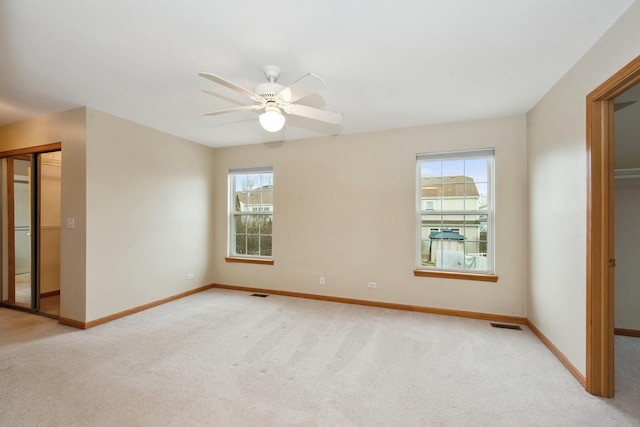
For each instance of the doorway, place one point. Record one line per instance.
(601, 228)
(626, 213)
(30, 190)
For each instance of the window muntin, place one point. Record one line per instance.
(251, 212)
(456, 235)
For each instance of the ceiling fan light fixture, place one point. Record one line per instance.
(272, 119)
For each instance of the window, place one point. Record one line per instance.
(455, 212)
(251, 212)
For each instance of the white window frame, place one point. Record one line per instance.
(488, 154)
(233, 214)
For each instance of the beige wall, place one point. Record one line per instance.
(557, 165)
(627, 242)
(153, 209)
(345, 209)
(69, 129)
(141, 201)
(149, 215)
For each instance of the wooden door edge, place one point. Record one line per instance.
(600, 298)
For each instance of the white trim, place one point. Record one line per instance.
(232, 214)
(489, 154)
(256, 170)
(454, 155)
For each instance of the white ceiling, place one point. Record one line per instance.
(386, 64)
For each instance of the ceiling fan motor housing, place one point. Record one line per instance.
(268, 89)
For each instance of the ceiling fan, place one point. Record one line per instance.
(275, 99)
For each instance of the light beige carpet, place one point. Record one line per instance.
(225, 358)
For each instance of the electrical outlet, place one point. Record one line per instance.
(190, 276)
(322, 280)
(373, 285)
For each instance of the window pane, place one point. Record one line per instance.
(240, 226)
(266, 199)
(253, 244)
(266, 180)
(472, 197)
(473, 226)
(253, 224)
(451, 188)
(237, 203)
(454, 242)
(241, 244)
(478, 169)
(453, 168)
(246, 182)
(447, 245)
(483, 196)
(431, 188)
(266, 224)
(431, 225)
(251, 196)
(451, 241)
(253, 192)
(265, 245)
(252, 182)
(475, 258)
(463, 184)
(452, 196)
(431, 169)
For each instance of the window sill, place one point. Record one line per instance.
(452, 275)
(249, 260)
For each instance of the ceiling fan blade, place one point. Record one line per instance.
(314, 113)
(234, 109)
(230, 85)
(304, 86)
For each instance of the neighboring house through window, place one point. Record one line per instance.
(251, 212)
(455, 211)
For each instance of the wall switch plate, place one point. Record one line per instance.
(190, 276)
(71, 223)
(322, 280)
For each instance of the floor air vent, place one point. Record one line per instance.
(503, 326)
(260, 295)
